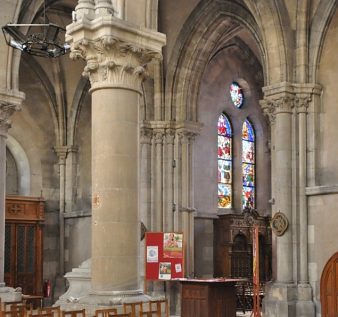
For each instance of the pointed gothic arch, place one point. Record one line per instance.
(210, 23)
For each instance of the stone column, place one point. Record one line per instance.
(9, 103)
(302, 103)
(157, 217)
(168, 180)
(185, 206)
(61, 152)
(281, 296)
(283, 191)
(145, 176)
(269, 113)
(71, 178)
(116, 54)
(145, 187)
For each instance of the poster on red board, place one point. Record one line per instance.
(164, 258)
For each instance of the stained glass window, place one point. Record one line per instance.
(248, 165)
(236, 94)
(224, 162)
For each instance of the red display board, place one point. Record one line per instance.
(164, 256)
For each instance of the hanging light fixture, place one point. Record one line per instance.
(42, 40)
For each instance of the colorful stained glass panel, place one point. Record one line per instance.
(224, 165)
(224, 172)
(224, 127)
(224, 196)
(248, 197)
(248, 165)
(224, 147)
(248, 152)
(248, 133)
(248, 175)
(236, 95)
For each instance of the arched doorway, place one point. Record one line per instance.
(329, 288)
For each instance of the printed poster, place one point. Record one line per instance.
(173, 245)
(152, 254)
(165, 271)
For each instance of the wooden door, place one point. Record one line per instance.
(23, 243)
(329, 288)
(22, 263)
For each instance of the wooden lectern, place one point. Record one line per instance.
(214, 297)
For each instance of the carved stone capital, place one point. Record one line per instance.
(116, 52)
(268, 111)
(145, 135)
(284, 104)
(158, 136)
(114, 63)
(169, 136)
(186, 137)
(10, 101)
(6, 111)
(61, 152)
(302, 103)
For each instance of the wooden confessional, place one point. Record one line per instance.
(233, 246)
(23, 243)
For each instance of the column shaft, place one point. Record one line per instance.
(168, 182)
(303, 221)
(283, 193)
(115, 189)
(158, 193)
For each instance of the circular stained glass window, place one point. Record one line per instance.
(236, 95)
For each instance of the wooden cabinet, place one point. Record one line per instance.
(23, 243)
(201, 298)
(233, 246)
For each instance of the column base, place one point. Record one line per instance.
(80, 295)
(288, 300)
(280, 300)
(305, 306)
(9, 294)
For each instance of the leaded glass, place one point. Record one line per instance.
(224, 162)
(248, 174)
(236, 95)
(224, 172)
(248, 165)
(248, 197)
(224, 196)
(224, 147)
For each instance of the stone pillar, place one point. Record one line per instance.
(71, 178)
(269, 113)
(61, 152)
(116, 54)
(145, 176)
(305, 305)
(186, 209)
(169, 164)
(281, 296)
(302, 103)
(157, 217)
(9, 103)
(283, 191)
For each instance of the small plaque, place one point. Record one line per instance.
(279, 223)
